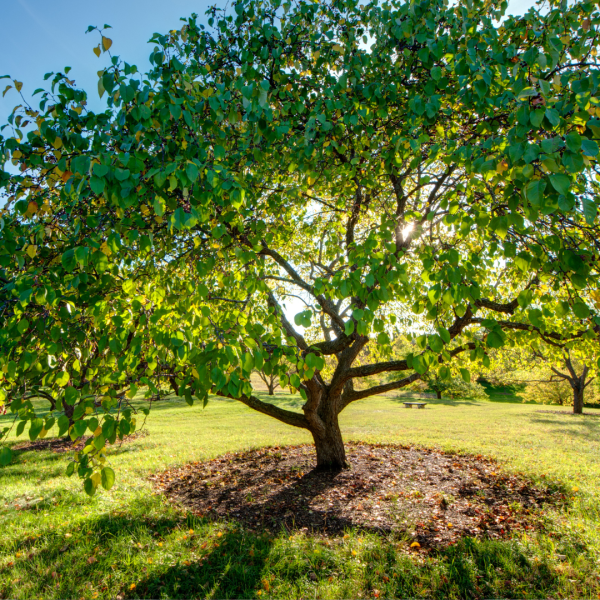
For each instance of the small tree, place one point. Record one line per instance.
(376, 160)
(578, 381)
(270, 380)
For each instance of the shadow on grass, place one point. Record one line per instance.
(435, 401)
(231, 566)
(567, 423)
(137, 556)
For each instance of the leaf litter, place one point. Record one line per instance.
(427, 496)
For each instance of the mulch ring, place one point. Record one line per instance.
(65, 444)
(428, 496)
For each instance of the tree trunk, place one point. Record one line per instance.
(438, 395)
(271, 387)
(331, 454)
(577, 400)
(69, 412)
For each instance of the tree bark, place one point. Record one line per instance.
(438, 395)
(331, 454)
(577, 399)
(271, 387)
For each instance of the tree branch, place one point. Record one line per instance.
(272, 301)
(285, 416)
(378, 389)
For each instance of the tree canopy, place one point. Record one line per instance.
(422, 167)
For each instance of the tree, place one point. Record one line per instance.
(270, 381)
(374, 160)
(557, 374)
(577, 381)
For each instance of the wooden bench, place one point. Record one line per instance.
(417, 404)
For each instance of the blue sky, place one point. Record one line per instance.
(38, 36)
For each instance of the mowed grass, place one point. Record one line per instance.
(131, 543)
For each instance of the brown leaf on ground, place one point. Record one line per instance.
(65, 444)
(427, 496)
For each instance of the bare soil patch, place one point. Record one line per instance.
(65, 444)
(428, 496)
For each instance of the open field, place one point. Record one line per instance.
(131, 542)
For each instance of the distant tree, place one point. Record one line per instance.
(551, 374)
(270, 381)
(375, 159)
(577, 378)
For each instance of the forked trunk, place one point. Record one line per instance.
(271, 388)
(331, 454)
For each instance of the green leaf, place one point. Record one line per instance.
(527, 92)
(382, 339)
(573, 141)
(81, 164)
(589, 210)
(494, 340)
(524, 300)
(108, 478)
(68, 260)
(81, 255)
(23, 326)
(36, 427)
(553, 116)
(100, 170)
(589, 147)
(444, 334)
(551, 145)
(63, 378)
(561, 183)
(191, 171)
(419, 364)
(465, 375)
(5, 456)
(219, 152)
(89, 487)
(535, 191)
(349, 328)
(581, 310)
(122, 174)
(436, 343)
(97, 185)
(71, 395)
(159, 206)
(63, 425)
(536, 117)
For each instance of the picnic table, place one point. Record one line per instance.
(417, 404)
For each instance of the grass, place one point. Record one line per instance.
(132, 543)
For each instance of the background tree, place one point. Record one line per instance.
(269, 380)
(372, 159)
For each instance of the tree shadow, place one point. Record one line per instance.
(230, 566)
(139, 553)
(434, 401)
(567, 425)
(505, 394)
(290, 509)
(209, 563)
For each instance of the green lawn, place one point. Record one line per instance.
(130, 542)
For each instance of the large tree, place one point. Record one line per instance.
(373, 161)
